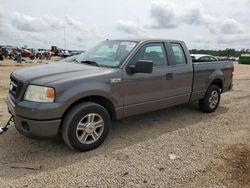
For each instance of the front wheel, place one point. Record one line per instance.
(86, 126)
(211, 100)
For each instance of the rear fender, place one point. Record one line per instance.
(218, 74)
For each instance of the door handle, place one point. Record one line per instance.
(169, 76)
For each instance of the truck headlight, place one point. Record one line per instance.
(39, 94)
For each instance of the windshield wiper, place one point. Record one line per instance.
(91, 63)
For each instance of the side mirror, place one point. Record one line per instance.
(141, 66)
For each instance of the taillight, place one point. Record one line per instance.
(233, 73)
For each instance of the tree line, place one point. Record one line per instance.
(228, 52)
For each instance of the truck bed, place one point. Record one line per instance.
(206, 72)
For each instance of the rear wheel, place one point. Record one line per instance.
(211, 100)
(86, 126)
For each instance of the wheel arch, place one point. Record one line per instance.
(103, 101)
(217, 78)
(218, 82)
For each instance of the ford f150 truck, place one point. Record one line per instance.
(114, 80)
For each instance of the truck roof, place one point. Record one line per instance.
(147, 40)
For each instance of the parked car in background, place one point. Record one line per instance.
(26, 53)
(64, 53)
(229, 58)
(69, 53)
(1, 56)
(203, 58)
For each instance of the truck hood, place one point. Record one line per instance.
(45, 74)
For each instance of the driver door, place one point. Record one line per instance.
(146, 91)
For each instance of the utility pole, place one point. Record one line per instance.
(64, 37)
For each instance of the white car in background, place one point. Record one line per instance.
(203, 58)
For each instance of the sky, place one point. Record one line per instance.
(80, 24)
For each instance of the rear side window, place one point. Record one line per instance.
(204, 59)
(179, 54)
(213, 59)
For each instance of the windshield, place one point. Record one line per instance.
(109, 53)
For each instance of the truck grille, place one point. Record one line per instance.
(16, 87)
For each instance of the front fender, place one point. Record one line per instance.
(92, 89)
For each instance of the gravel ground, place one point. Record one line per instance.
(176, 147)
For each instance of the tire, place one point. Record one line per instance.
(211, 100)
(86, 126)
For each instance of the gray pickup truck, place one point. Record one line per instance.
(114, 80)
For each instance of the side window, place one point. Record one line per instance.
(213, 59)
(154, 52)
(205, 59)
(178, 54)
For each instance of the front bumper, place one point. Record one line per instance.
(37, 129)
(30, 127)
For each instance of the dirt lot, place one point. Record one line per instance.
(176, 147)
